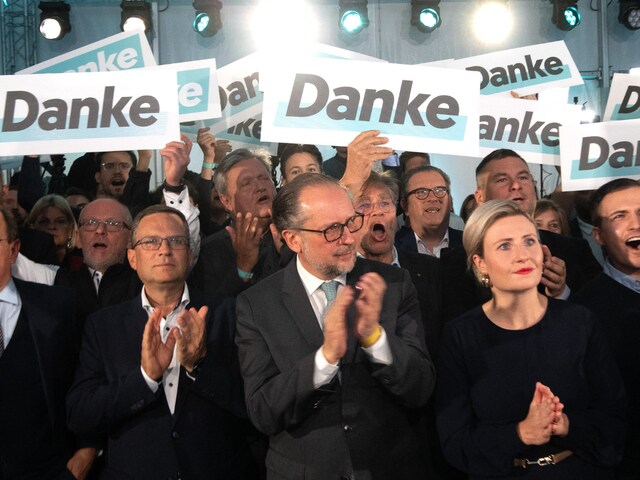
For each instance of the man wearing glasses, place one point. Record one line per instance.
(158, 373)
(331, 350)
(113, 172)
(426, 201)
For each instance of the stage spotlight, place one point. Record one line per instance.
(353, 15)
(207, 20)
(492, 21)
(630, 14)
(54, 20)
(136, 15)
(566, 15)
(425, 15)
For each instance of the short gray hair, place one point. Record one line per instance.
(230, 161)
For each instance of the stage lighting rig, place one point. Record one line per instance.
(54, 19)
(207, 20)
(425, 15)
(566, 15)
(630, 14)
(135, 15)
(353, 15)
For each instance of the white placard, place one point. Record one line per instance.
(529, 127)
(198, 93)
(595, 153)
(124, 51)
(524, 70)
(88, 112)
(328, 102)
(624, 98)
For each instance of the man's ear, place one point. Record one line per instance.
(78, 239)
(131, 256)
(294, 242)
(98, 177)
(227, 203)
(479, 194)
(598, 237)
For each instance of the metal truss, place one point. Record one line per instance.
(18, 27)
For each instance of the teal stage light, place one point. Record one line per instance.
(207, 20)
(353, 15)
(425, 15)
(566, 15)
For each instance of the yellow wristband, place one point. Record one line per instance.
(371, 339)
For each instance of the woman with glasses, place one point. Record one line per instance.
(527, 385)
(52, 214)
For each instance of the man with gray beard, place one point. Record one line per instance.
(331, 349)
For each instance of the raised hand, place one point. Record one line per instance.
(335, 326)
(191, 337)
(156, 355)
(554, 273)
(371, 288)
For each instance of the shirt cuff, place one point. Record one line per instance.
(380, 352)
(323, 371)
(151, 383)
(565, 293)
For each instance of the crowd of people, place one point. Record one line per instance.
(343, 324)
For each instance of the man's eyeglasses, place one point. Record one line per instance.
(154, 243)
(124, 166)
(423, 193)
(366, 207)
(334, 232)
(91, 225)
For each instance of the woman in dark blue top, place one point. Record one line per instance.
(527, 384)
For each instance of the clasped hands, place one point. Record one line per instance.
(189, 336)
(545, 418)
(367, 297)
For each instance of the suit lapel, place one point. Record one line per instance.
(297, 303)
(41, 327)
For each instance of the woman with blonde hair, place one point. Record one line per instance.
(52, 214)
(527, 385)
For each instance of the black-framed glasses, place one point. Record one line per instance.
(422, 193)
(124, 166)
(154, 243)
(334, 232)
(91, 225)
(366, 207)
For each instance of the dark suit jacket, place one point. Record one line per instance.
(363, 421)
(119, 284)
(406, 241)
(203, 439)
(49, 313)
(426, 275)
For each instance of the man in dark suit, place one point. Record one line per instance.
(105, 278)
(336, 388)
(37, 360)
(614, 296)
(426, 202)
(243, 253)
(377, 201)
(158, 374)
(504, 175)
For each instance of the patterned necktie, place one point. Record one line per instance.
(330, 290)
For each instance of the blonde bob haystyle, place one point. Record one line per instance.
(480, 221)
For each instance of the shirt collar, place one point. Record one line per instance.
(183, 301)
(622, 278)
(310, 282)
(394, 259)
(444, 243)
(9, 293)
